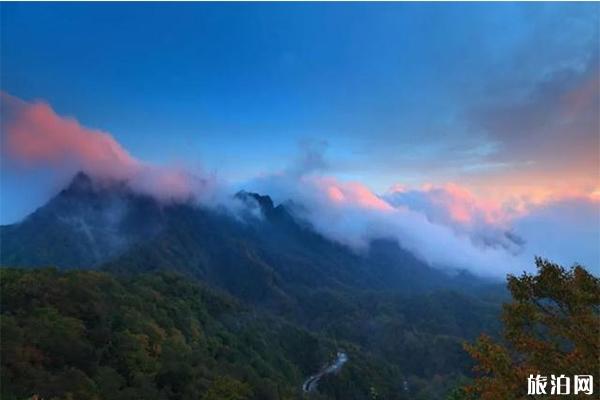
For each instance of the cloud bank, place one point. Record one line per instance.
(34, 137)
(351, 214)
(564, 227)
(448, 226)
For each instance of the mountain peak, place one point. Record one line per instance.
(250, 198)
(81, 182)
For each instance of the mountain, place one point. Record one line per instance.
(385, 302)
(84, 225)
(256, 255)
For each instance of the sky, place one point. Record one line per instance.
(472, 115)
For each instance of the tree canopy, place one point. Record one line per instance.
(552, 326)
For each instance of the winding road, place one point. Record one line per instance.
(311, 383)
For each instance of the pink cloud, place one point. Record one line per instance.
(350, 213)
(33, 135)
(350, 193)
(463, 207)
(450, 204)
(454, 204)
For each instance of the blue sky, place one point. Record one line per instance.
(402, 92)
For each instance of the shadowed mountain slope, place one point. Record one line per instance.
(255, 255)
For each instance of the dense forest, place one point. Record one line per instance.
(91, 335)
(87, 335)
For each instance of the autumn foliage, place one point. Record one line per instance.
(552, 326)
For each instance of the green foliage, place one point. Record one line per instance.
(226, 388)
(91, 335)
(87, 335)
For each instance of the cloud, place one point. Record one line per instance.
(350, 213)
(522, 111)
(448, 226)
(544, 124)
(310, 158)
(485, 221)
(35, 138)
(555, 123)
(447, 203)
(562, 226)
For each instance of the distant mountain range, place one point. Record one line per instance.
(385, 300)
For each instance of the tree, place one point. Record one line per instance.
(226, 388)
(552, 326)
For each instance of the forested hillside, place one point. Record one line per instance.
(89, 335)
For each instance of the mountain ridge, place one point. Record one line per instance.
(95, 222)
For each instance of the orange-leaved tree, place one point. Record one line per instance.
(552, 326)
